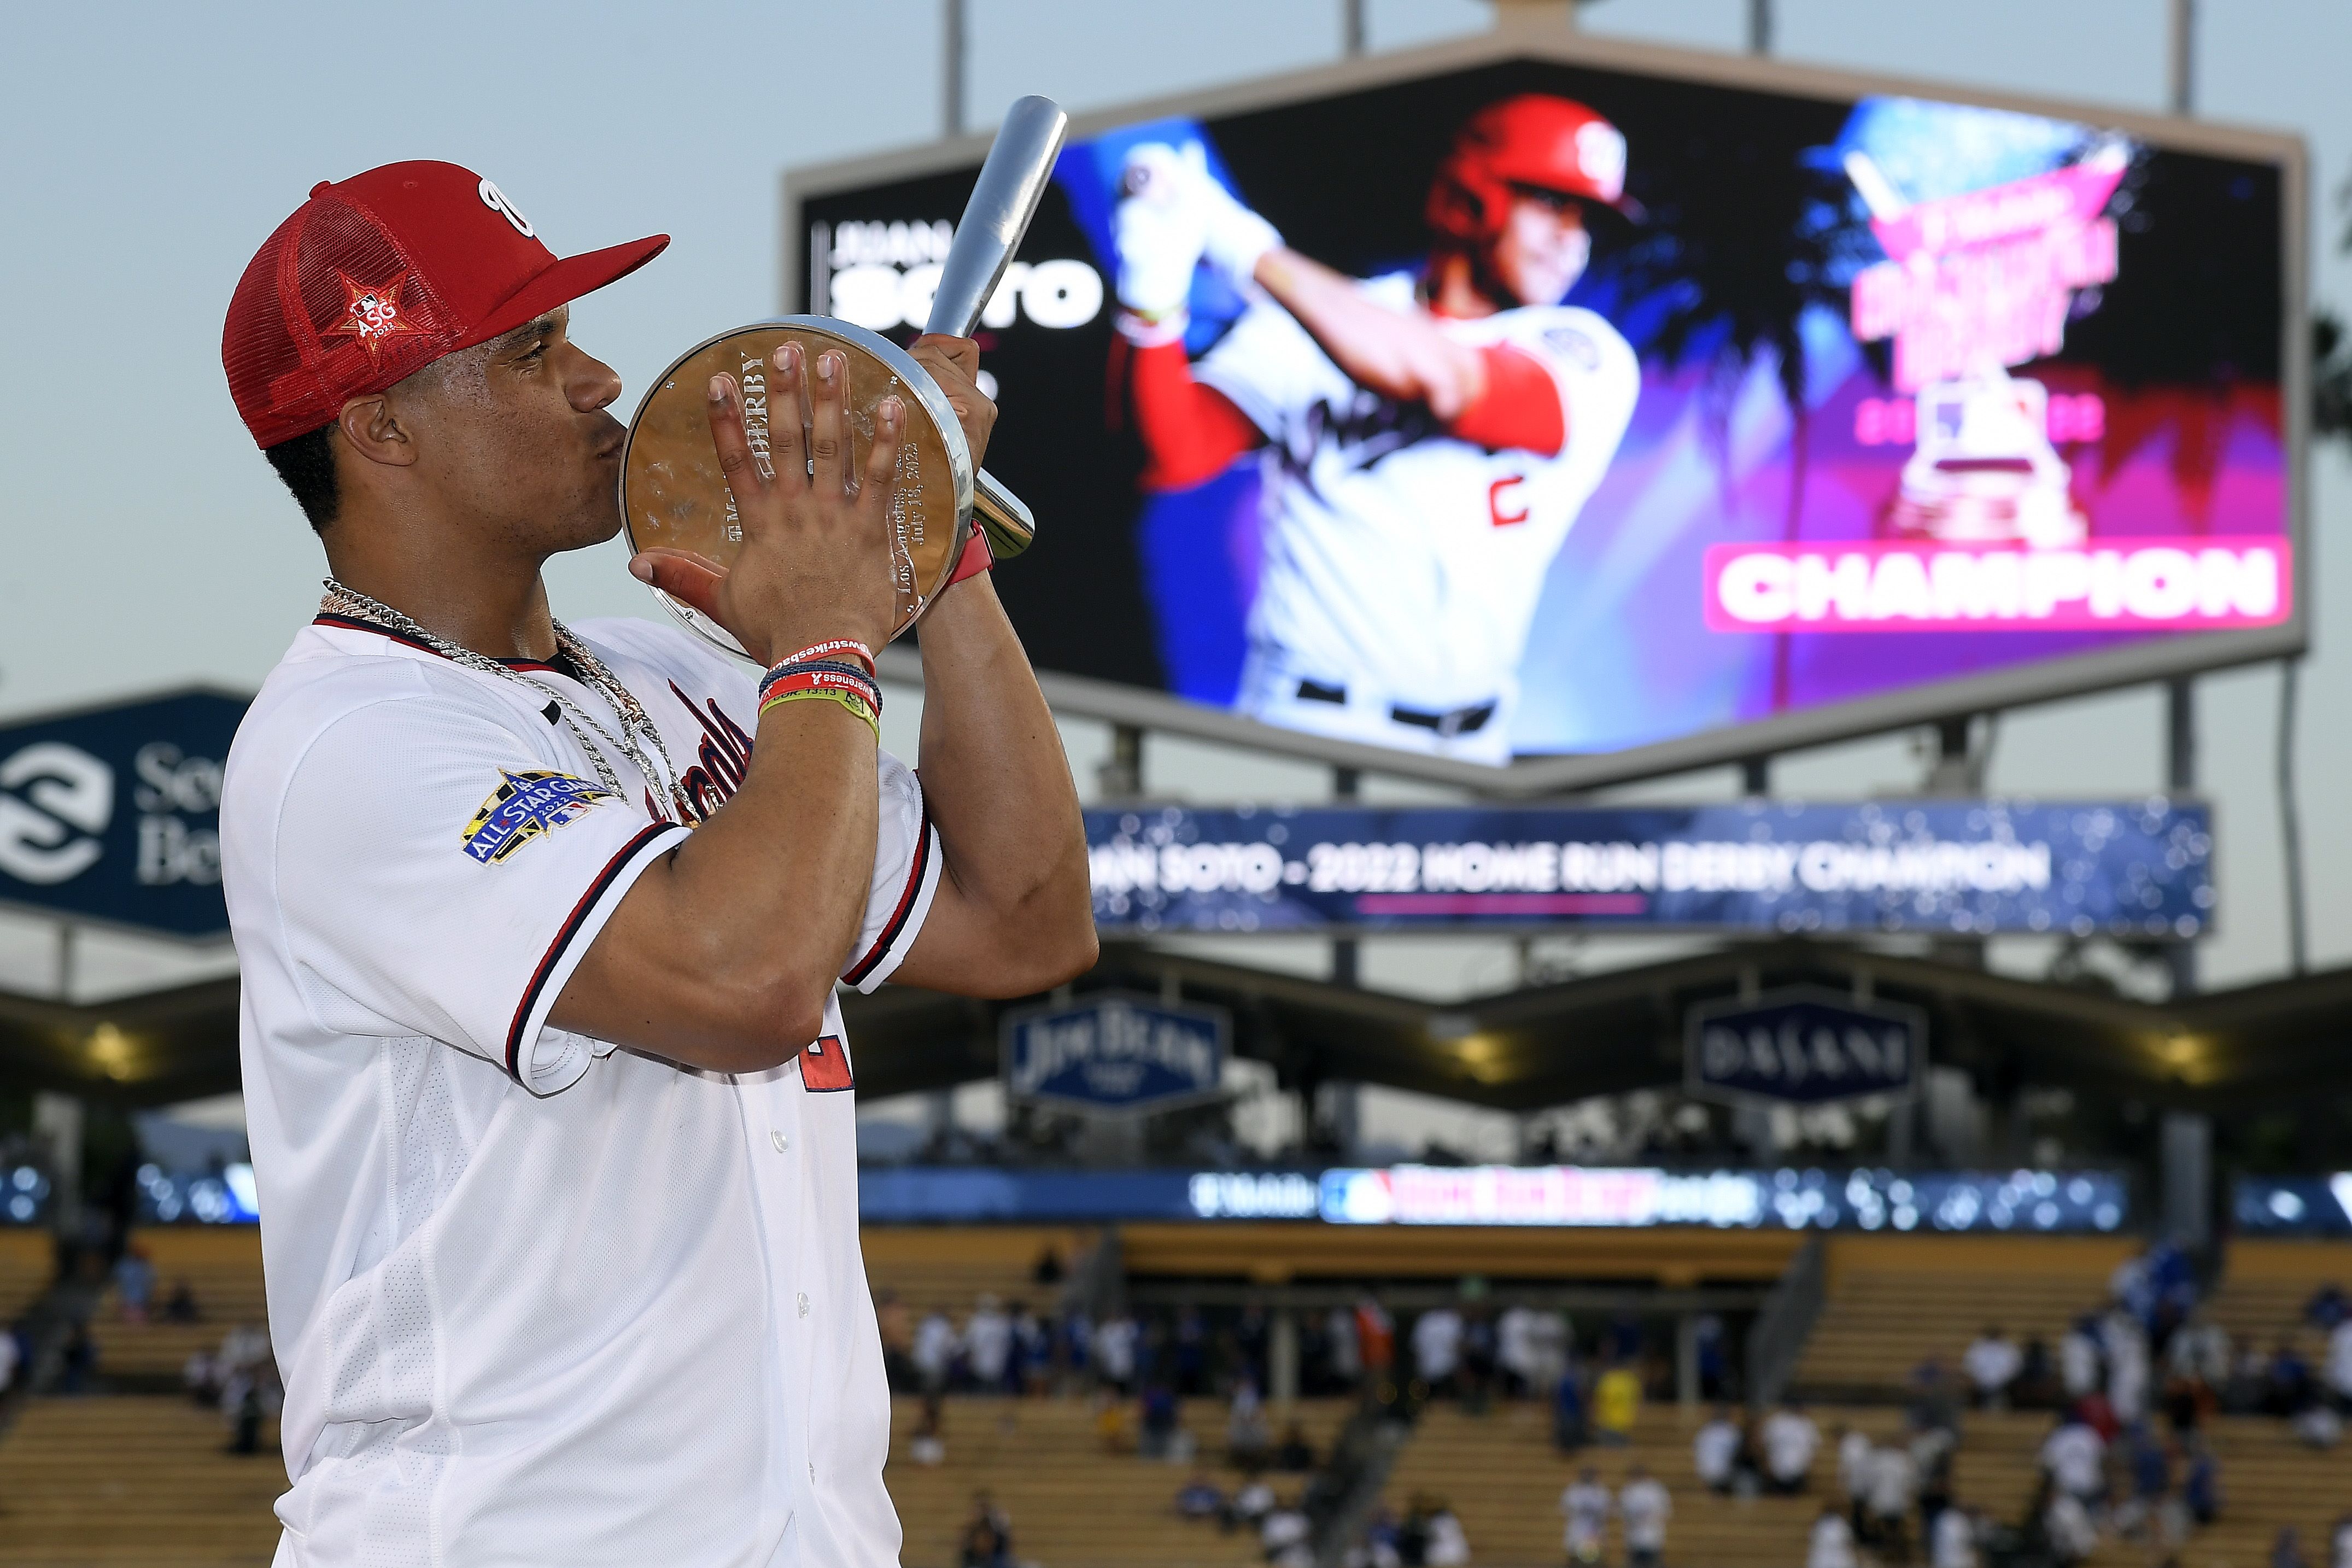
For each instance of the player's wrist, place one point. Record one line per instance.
(1149, 332)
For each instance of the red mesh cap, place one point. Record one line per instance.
(378, 275)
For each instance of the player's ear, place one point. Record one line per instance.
(374, 431)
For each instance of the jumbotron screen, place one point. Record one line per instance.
(1535, 408)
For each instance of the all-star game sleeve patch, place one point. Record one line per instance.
(524, 807)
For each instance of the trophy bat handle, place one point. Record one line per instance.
(1003, 199)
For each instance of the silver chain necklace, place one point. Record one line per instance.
(639, 739)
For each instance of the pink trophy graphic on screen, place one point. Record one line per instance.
(1983, 530)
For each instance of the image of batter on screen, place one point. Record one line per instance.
(1428, 435)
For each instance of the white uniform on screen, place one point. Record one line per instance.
(521, 1282)
(1401, 563)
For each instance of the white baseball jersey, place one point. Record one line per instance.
(536, 1300)
(1397, 554)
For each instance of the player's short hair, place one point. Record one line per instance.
(307, 464)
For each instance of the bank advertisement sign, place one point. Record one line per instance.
(2140, 869)
(112, 814)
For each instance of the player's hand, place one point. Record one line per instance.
(817, 556)
(1159, 229)
(1233, 238)
(954, 363)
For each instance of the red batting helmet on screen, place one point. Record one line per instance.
(1534, 138)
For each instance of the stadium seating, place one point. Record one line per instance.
(948, 1267)
(2260, 1301)
(122, 1481)
(221, 1263)
(27, 1259)
(1071, 1503)
(1895, 1302)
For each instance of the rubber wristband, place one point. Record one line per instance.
(855, 704)
(834, 647)
(840, 680)
(976, 558)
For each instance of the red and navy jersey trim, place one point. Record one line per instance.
(570, 929)
(351, 623)
(897, 921)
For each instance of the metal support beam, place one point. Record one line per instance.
(1760, 26)
(1686, 1360)
(2181, 779)
(1347, 786)
(1351, 27)
(952, 68)
(2183, 57)
(1120, 775)
(1282, 1359)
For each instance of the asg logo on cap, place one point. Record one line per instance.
(496, 200)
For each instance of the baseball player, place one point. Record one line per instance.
(540, 928)
(1429, 438)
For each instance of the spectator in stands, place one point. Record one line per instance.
(1714, 1364)
(1616, 1404)
(2326, 1308)
(1343, 1351)
(2078, 1359)
(1992, 1362)
(1199, 1498)
(1933, 1405)
(897, 1335)
(2339, 1364)
(1894, 1490)
(928, 1445)
(1931, 1455)
(2073, 1533)
(2125, 1339)
(2201, 1489)
(1854, 1462)
(2150, 1468)
(1114, 1350)
(1952, 1541)
(2036, 1387)
(988, 1346)
(1375, 1336)
(1714, 1448)
(80, 1360)
(2286, 1549)
(1478, 1353)
(134, 1283)
(2339, 1543)
(1251, 1503)
(1790, 1441)
(1286, 1537)
(1831, 1545)
(1047, 1271)
(1644, 1505)
(2075, 1457)
(1297, 1454)
(1622, 1339)
(1515, 1352)
(1585, 1504)
(2288, 1381)
(1192, 1353)
(934, 1352)
(1444, 1543)
(1249, 1439)
(1162, 1425)
(2317, 1425)
(1437, 1349)
(987, 1535)
(1570, 1428)
(181, 1307)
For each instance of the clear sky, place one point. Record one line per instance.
(152, 147)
